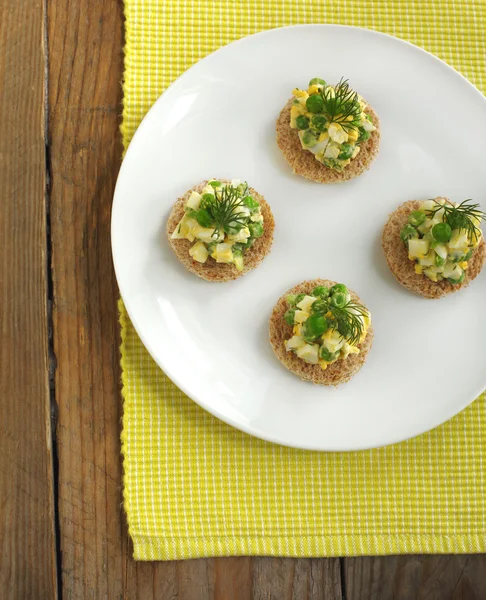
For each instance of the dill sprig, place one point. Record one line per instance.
(342, 105)
(227, 199)
(461, 216)
(348, 321)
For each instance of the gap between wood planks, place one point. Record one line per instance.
(51, 357)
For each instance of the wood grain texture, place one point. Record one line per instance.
(451, 577)
(85, 46)
(27, 538)
(296, 579)
(85, 65)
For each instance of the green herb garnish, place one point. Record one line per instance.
(342, 106)
(224, 209)
(461, 216)
(348, 321)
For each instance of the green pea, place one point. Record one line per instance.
(249, 243)
(408, 232)
(456, 281)
(339, 287)
(314, 103)
(302, 122)
(291, 299)
(215, 184)
(203, 218)
(346, 152)
(309, 138)
(417, 218)
(439, 261)
(251, 203)
(369, 118)
(317, 81)
(256, 229)
(319, 122)
(320, 306)
(338, 299)
(299, 298)
(432, 243)
(289, 316)
(206, 200)
(363, 136)
(315, 326)
(326, 354)
(442, 232)
(321, 291)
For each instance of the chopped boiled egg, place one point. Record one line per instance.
(428, 260)
(205, 234)
(417, 248)
(441, 251)
(295, 343)
(309, 353)
(181, 230)
(332, 340)
(223, 253)
(459, 239)
(199, 252)
(297, 329)
(337, 133)
(367, 125)
(301, 316)
(300, 93)
(332, 150)
(306, 303)
(194, 201)
(240, 237)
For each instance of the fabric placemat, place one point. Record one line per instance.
(193, 486)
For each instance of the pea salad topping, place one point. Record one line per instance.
(223, 221)
(441, 237)
(331, 122)
(327, 325)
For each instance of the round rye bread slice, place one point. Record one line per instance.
(396, 254)
(211, 270)
(337, 372)
(303, 162)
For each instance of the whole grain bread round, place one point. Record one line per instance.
(303, 162)
(279, 331)
(403, 268)
(211, 270)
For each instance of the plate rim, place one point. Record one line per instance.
(252, 430)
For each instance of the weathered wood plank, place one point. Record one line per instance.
(296, 579)
(27, 538)
(457, 577)
(85, 54)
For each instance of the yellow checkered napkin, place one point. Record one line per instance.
(196, 487)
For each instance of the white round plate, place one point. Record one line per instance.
(218, 120)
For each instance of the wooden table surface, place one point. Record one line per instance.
(62, 529)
